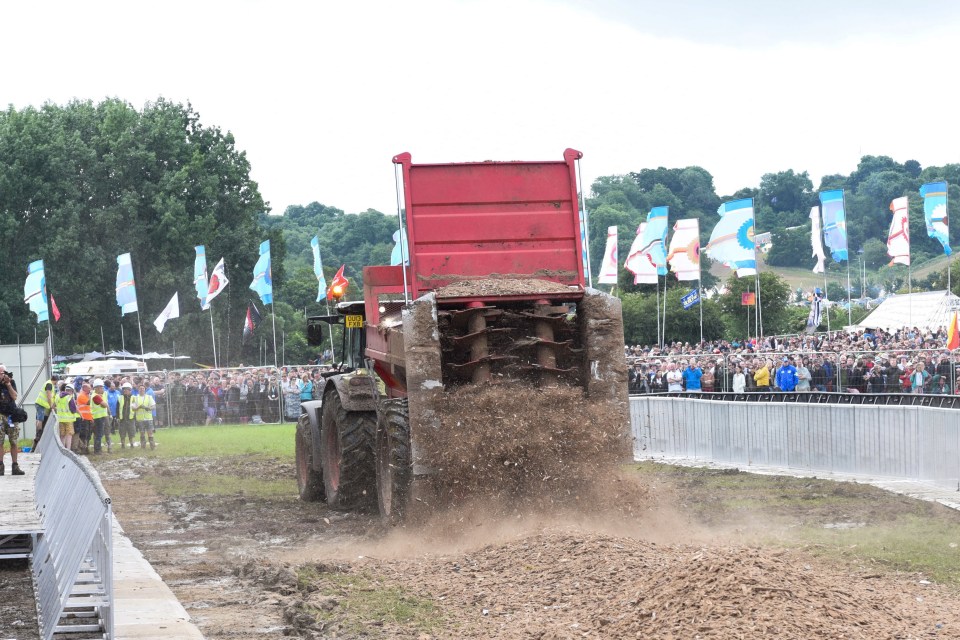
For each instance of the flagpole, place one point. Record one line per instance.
(849, 305)
(273, 314)
(659, 341)
(664, 323)
(333, 354)
(123, 342)
(213, 337)
(142, 350)
(700, 297)
(826, 297)
(586, 224)
(103, 343)
(910, 292)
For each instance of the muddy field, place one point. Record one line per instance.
(18, 614)
(698, 555)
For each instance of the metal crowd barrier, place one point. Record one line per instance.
(183, 399)
(73, 557)
(912, 440)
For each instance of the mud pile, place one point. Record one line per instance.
(500, 287)
(572, 585)
(519, 447)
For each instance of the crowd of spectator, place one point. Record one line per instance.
(240, 396)
(865, 361)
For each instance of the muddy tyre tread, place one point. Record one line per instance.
(393, 450)
(309, 480)
(356, 486)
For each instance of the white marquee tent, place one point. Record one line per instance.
(928, 310)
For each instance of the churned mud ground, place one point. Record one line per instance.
(18, 613)
(698, 554)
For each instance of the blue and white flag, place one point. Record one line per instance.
(583, 246)
(35, 291)
(318, 268)
(263, 275)
(732, 239)
(126, 288)
(200, 275)
(935, 213)
(400, 251)
(834, 223)
(654, 243)
(692, 299)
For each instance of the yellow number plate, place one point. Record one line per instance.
(354, 322)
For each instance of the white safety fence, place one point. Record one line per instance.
(903, 442)
(73, 557)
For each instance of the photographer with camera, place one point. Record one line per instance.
(9, 430)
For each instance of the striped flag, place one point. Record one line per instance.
(608, 268)
(200, 276)
(898, 238)
(732, 239)
(953, 334)
(638, 263)
(834, 223)
(816, 240)
(935, 213)
(252, 321)
(684, 254)
(318, 268)
(35, 291)
(126, 287)
(262, 275)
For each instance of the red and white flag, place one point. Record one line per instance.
(608, 268)
(218, 282)
(898, 238)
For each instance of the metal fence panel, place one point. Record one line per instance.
(77, 537)
(940, 446)
(910, 441)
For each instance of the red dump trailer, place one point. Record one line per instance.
(493, 294)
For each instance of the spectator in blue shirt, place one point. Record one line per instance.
(692, 375)
(787, 376)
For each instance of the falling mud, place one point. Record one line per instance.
(515, 449)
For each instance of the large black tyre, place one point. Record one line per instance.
(394, 470)
(346, 451)
(309, 479)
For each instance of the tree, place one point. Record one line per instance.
(773, 298)
(84, 182)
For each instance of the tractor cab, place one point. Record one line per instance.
(350, 315)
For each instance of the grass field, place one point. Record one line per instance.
(266, 440)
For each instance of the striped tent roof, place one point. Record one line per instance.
(928, 310)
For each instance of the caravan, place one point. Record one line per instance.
(101, 368)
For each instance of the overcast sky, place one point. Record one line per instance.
(321, 95)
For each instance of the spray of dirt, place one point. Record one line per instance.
(523, 449)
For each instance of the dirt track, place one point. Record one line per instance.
(253, 568)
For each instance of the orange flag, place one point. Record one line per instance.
(953, 334)
(338, 286)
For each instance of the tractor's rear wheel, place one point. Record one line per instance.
(309, 479)
(345, 448)
(394, 471)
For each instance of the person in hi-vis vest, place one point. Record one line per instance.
(145, 404)
(126, 415)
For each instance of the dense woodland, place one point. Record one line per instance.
(83, 182)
